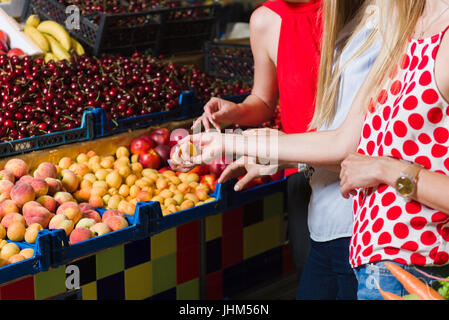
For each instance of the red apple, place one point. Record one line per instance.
(150, 159)
(4, 38)
(218, 165)
(162, 170)
(164, 152)
(177, 135)
(200, 170)
(210, 180)
(15, 52)
(140, 145)
(160, 136)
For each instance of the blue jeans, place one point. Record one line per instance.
(368, 274)
(327, 274)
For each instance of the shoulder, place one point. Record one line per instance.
(263, 19)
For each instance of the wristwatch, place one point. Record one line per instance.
(407, 181)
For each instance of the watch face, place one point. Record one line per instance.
(405, 187)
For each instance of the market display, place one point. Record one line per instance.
(5, 46)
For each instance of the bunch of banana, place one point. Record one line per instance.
(52, 38)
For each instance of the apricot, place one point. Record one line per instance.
(126, 207)
(144, 196)
(166, 194)
(100, 229)
(83, 194)
(80, 169)
(114, 201)
(27, 253)
(2, 232)
(91, 153)
(7, 175)
(100, 184)
(54, 186)
(187, 204)
(114, 180)
(40, 187)
(133, 191)
(69, 180)
(123, 190)
(172, 208)
(17, 167)
(179, 198)
(169, 201)
(16, 258)
(22, 193)
(184, 188)
(63, 197)
(71, 210)
(32, 232)
(98, 191)
(7, 206)
(82, 158)
(122, 152)
(183, 177)
(16, 231)
(96, 201)
(80, 234)
(65, 162)
(10, 218)
(9, 250)
(106, 198)
(116, 223)
(60, 221)
(174, 179)
(135, 158)
(124, 171)
(161, 184)
(46, 170)
(2, 243)
(107, 162)
(113, 191)
(5, 189)
(201, 194)
(158, 199)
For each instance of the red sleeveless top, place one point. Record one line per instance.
(298, 62)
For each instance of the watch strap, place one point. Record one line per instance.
(413, 171)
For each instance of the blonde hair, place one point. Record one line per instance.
(397, 22)
(338, 14)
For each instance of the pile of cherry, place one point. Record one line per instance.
(38, 98)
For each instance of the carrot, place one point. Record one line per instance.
(412, 284)
(387, 295)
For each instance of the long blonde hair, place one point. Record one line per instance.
(337, 15)
(397, 22)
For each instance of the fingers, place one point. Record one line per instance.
(233, 170)
(250, 176)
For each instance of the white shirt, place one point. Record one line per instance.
(330, 215)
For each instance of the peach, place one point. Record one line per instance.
(22, 193)
(46, 170)
(54, 186)
(92, 214)
(7, 206)
(116, 223)
(48, 203)
(100, 229)
(7, 175)
(63, 197)
(110, 213)
(17, 167)
(16, 258)
(9, 250)
(34, 212)
(71, 210)
(85, 223)
(16, 231)
(144, 196)
(114, 180)
(32, 232)
(65, 162)
(2, 232)
(26, 179)
(69, 180)
(80, 234)
(10, 218)
(85, 207)
(40, 187)
(60, 221)
(96, 201)
(5, 189)
(27, 253)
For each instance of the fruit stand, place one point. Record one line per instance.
(89, 208)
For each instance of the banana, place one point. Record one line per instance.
(37, 38)
(57, 49)
(49, 56)
(56, 31)
(77, 47)
(33, 21)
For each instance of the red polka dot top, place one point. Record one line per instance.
(411, 123)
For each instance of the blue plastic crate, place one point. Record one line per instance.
(41, 261)
(63, 252)
(159, 223)
(83, 133)
(105, 127)
(237, 199)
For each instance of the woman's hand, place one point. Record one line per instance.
(216, 112)
(360, 171)
(249, 168)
